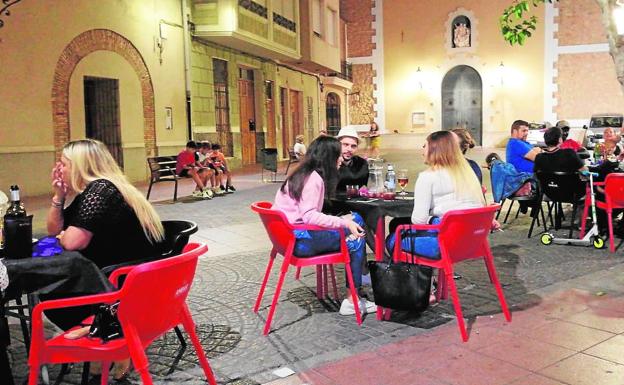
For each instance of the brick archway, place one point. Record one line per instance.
(81, 46)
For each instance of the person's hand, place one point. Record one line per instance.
(496, 226)
(355, 229)
(58, 185)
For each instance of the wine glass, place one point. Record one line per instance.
(402, 179)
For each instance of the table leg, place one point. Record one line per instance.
(5, 368)
(319, 282)
(380, 237)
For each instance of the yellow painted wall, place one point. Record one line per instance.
(412, 40)
(31, 41)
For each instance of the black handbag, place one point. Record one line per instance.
(401, 285)
(105, 324)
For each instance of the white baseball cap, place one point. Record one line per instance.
(348, 131)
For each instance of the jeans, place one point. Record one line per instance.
(421, 242)
(311, 243)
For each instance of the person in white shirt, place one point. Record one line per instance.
(299, 148)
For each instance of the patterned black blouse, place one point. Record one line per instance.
(117, 233)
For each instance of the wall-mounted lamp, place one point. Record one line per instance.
(355, 96)
(618, 16)
(501, 73)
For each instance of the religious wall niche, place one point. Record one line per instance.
(461, 32)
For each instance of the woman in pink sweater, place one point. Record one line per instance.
(301, 199)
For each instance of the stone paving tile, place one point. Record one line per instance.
(582, 369)
(307, 333)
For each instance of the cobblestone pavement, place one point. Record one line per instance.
(305, 331)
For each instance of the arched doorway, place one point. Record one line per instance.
(462, 101)
(81, 46)
(332, 108)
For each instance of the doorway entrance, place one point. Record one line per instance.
(269, 94)
(332, 113)
(101, 102)
(462, 101)
(247, 115)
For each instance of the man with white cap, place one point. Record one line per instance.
(354, 169)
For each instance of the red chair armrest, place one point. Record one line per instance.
(114, 277)
(418, 227)
(599, 183)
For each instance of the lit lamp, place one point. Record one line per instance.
(618, 17)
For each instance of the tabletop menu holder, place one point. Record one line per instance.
(18, 237)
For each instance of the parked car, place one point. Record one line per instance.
(599, 122)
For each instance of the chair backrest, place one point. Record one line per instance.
(153, 297)
(277, 226)
(177, 235)
(162, 166)
(463, 233)
(614, 189)
(564, 187)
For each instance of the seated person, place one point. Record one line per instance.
(554, 158)
(466, 142)
(611, 146)
(108, 221)
(567, 143)
(354, 169)
(203, 157)
(186, 166)
(220, 163)
(520, 153)
(301, 199)
(299, 149)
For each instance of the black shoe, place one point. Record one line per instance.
(222, 188)
(230, 188)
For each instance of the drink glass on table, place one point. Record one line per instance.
(402, 179)
(352, 191)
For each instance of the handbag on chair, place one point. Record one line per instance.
(400, 285)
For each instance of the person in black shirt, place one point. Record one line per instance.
(553, 158)
(354, 169)
(109, 221)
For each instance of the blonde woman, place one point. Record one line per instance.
(448, 183)
(108, 221)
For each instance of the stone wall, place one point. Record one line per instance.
(361, 108)
(580, 23)
(359, 27)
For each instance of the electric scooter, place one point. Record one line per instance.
(592, 237)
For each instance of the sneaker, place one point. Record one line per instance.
(230, 188)
(197, 194)
(367, 306)
(347, 308)
(222, 188)
(207, 194)
(218, 191)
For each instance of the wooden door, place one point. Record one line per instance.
(284, 122)
(462, 93)
(295, 114)
(270, 114)
(247, 120)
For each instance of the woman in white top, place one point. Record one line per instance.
(447, 184)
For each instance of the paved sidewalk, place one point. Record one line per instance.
(566, 303)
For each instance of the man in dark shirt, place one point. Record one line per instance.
(354, 169)
(553, 158)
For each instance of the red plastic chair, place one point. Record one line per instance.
(151, 302)
(463, 234)
(280, 232)
(614, 199)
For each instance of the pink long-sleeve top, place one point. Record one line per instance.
(308, 209)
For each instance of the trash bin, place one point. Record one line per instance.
(269, 159)
(269, 162)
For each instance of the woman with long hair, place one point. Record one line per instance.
(466, 142)
(301, 199)
(108, 221)
(448, 183)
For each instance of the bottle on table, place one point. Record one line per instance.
(16, 207)
(17, 228)
(390, 179)
(598, 152)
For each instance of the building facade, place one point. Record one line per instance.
(424, 66)
(145, 77)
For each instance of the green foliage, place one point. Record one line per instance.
(516, 25)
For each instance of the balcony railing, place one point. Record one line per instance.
(254, 7)
(284, 22)
(346, 72)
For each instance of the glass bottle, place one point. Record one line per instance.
(16, 208)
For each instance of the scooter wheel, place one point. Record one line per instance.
(598, 242)
(546, 239)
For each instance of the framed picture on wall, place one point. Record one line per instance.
(418, 119)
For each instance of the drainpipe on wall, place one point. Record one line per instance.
(187, 67)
